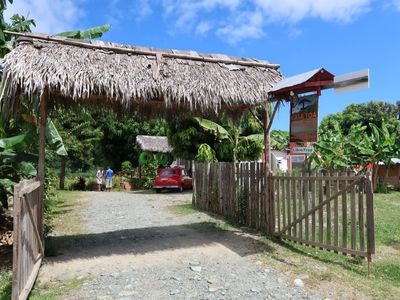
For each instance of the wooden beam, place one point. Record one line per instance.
(42, 134)
(273, 115)
(255, 117)
(164, 53)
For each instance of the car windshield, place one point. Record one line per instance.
(167, 172)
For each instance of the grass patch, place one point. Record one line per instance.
(5, 284)
(182, 209)
(55, 289)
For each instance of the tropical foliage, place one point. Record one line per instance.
(373, 136)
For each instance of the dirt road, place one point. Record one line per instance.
(134, 246)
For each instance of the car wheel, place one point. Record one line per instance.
(181, 189)
(158, 190)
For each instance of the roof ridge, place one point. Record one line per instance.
(127, 49)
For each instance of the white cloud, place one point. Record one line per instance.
(236, 20)
(245, 26)
(142, 9)
(203, 28)
(51, 16)
(396, 4)
(295, 11)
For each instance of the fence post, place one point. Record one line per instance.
(271, 206)
(370, 217)
(194, 184)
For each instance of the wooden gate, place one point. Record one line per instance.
(28, 244)
(333, 212)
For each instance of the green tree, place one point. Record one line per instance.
(279, 140)
(374, 112)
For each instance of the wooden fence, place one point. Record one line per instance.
(27, 235)
(331, 211)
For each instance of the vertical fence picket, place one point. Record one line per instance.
(257, 187)
(278, 204)
(306, 205)
(328, 211)
(313, 219)
(353, 215)
(289, 203)
(344, 214)
(300, 205)
(321, 211)
(294, 195)
(336, 212)
(283, 200)
(361, 189)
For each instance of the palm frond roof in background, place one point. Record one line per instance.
(153, 143)
(130, 78)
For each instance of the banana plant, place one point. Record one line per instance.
(232, 134)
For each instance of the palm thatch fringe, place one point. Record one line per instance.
(153, 143)
(127, 78)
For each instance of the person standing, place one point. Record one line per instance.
(109, 176)
(99, 178)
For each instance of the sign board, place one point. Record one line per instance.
(297, 161)
(304, 119)
(351, 81)
(303, 150)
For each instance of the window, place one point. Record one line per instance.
(168, 172)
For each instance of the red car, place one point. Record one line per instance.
(172, 178)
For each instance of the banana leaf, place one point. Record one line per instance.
(7, 185)
(91, 33)
(54, 138)
(27, 169)
(220, 132)
(8, 143)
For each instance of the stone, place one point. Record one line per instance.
(174, 292)
(104, 298)
(212, 280)
(213, 288)
(195, 268)
(298, 282)
(194, 263)
(175, 278)
(127, 294)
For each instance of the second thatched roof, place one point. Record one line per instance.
(153, 143)
(94, 73)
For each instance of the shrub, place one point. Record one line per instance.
(126, 167)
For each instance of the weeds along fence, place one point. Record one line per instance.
(27, 235)
(329, 211)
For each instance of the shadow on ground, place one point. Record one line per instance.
(151, 239)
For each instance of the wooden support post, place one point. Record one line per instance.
(42, 134)
(41, 164)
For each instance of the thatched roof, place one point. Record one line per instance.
(153, 143)
(130, 78)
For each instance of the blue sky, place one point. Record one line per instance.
(340, 35)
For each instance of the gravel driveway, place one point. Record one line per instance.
(135, 247)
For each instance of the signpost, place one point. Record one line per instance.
(303, 150)
(304, 119)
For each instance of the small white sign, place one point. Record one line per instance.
(303, 150)
(297, 158)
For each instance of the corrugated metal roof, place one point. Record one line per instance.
(294, 80)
